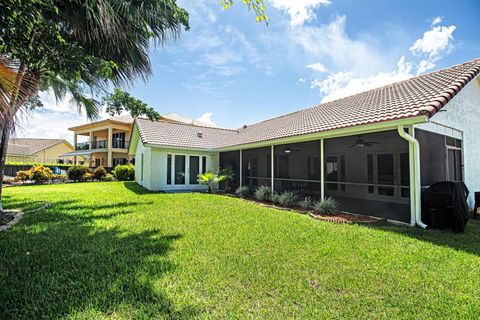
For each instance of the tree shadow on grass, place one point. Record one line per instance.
(469, 241)
(137, 189)
(57, 263)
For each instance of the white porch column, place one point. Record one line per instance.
(322, 169)
(241, 167)
(90, 139)
(75, 147)
(109, 157)
(273, 168)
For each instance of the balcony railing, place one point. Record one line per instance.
(120, 144)
(100, 144)
(103, 144)
(82, 146)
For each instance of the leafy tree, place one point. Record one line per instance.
(81, 48)
(121, 101)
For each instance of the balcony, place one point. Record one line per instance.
(103, 144)
(120, 144)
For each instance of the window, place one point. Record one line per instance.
(204, 164)
(169, 169)
(194, 169)
(331, 172)
(179, 169)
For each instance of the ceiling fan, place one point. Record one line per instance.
(360, 143)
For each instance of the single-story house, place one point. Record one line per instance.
(374, 152)
(37, 150)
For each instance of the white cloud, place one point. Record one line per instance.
(437, 20)
(299, 11)
(331, 44)
(342, 84)
(425, 65)
(434, 41)
(318, 67)
(207, 118)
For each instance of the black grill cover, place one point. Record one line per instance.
(444, 206)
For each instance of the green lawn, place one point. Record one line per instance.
(113, 250)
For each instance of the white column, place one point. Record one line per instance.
(109, 157)
(411, 162)
(241, 167)
(272, 169)
(75, 147)
(322, 170)
(90, 139)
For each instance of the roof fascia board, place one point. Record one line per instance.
(180, 148)
(335, 133)
(134, 137)
(96, 125)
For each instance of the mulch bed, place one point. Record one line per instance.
(343, 217)
(340, 217)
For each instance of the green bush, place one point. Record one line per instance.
(77, 173)
(288, 199)
(23, 175)
(306, 203)
(41, 174)
(109, 177)
(242, 191)
(19, 163)
(328, 206)
(275, 198)
(60, 177)
(124, 172)
(263, 193)
(99, 173)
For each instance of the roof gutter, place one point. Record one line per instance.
(415, 186)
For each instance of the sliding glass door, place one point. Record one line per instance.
(184, 169)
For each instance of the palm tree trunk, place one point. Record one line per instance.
(5, 134)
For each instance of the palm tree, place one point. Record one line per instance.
(78, 48)
(210, 179)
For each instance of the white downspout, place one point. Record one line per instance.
(415, 174)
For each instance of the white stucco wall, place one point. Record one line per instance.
(155, 167)
(146, 152)
(462, 114)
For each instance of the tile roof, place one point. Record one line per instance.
(30, 146)
(422, 95)
(180, 135)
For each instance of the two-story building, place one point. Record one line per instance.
(106, 142)
(102, 143)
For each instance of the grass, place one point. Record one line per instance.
(113, 250)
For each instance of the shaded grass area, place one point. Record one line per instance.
(115, 250)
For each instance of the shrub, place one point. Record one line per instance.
(328, 206)
(288, 199)
(77, 173)
(229, 177)
(60, 177)
(243, 191)
(306, 203)
(275, 198)
(124, 172)
(41, 174)
(99, 173)
(263, 193)
(23, 175)
(7, 180)
(109, 177)
(88, 176)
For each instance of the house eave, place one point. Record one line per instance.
(335, 133)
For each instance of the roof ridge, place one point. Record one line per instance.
(187, 124)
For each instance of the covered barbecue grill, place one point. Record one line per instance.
(445, 206)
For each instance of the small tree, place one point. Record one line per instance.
(210, 179)
(229, 175)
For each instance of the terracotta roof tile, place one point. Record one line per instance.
(422, 95)
(30, 146)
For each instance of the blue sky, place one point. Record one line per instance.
(231, 71)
